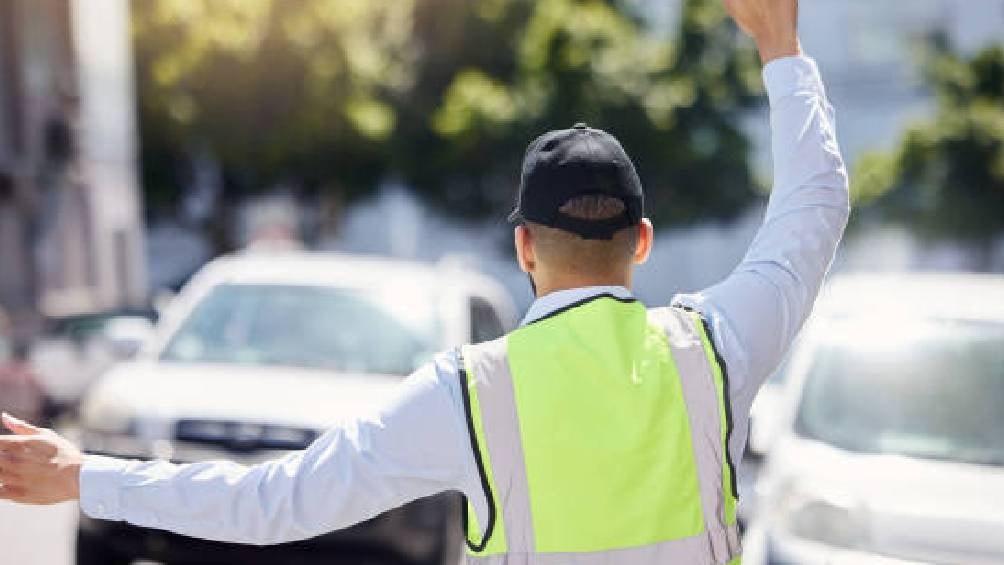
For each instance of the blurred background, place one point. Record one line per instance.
(357, 158)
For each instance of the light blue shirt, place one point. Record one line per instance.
(417, 444)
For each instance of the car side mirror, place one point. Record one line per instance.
(127, 335)
(162, 300)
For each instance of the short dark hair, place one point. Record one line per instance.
(572, 252)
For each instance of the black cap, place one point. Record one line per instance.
(563, 164)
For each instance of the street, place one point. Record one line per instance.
(37, 535)
(44, 535)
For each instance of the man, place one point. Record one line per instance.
(597, 432)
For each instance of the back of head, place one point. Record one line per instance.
(562, 250)
(582, 206)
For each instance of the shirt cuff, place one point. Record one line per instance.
(99, 487)
(790, 75)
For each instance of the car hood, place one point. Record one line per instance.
(282, 395)
(926, 510)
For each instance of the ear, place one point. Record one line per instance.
(646, 237)
(524, 249)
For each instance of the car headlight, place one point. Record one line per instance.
(824, 516)
(151, 428)
(99, 416)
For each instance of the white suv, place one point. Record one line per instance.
(257, 356)
(889, 446)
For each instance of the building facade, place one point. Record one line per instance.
(71, 237)
(871, 54)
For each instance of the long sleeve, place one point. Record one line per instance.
(413, 447)
(756, 312)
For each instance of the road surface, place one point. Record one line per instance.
(44, 535)
(37, 535)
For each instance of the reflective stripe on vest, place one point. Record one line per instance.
(600, 434)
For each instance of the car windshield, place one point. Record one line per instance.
(929, 390)
(308, 326)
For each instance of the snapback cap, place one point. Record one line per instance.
(579, 161)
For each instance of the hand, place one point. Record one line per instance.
(37, 466)
(773, 25)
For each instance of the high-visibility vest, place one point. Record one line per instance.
(600, 434)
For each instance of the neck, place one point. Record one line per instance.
(545, 287)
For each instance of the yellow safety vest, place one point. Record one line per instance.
(600, 434)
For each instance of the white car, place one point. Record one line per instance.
(890, 447)
(258, 355)
(763, 424)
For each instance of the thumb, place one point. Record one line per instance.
(19, 427)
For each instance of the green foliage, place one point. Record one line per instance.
(276, 90)
(446, 93)
(672, 106)
(947, 175)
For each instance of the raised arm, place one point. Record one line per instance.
(411, 448)
(756, 312)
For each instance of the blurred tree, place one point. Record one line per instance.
(946, 177)
(277, 91)
(673, 106)
(335, 94)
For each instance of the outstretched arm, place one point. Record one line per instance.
(757, 311)
(411, 448)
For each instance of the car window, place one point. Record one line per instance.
(486, 324)
(929, 390)
(307, 326)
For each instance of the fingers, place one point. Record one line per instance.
(23, 480)
(10, 474)
(26, 448)
(37, 467)
(19, 427)
(13, 493)
(13, 479)
(12, 446)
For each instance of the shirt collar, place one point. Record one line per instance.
(549, 303)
